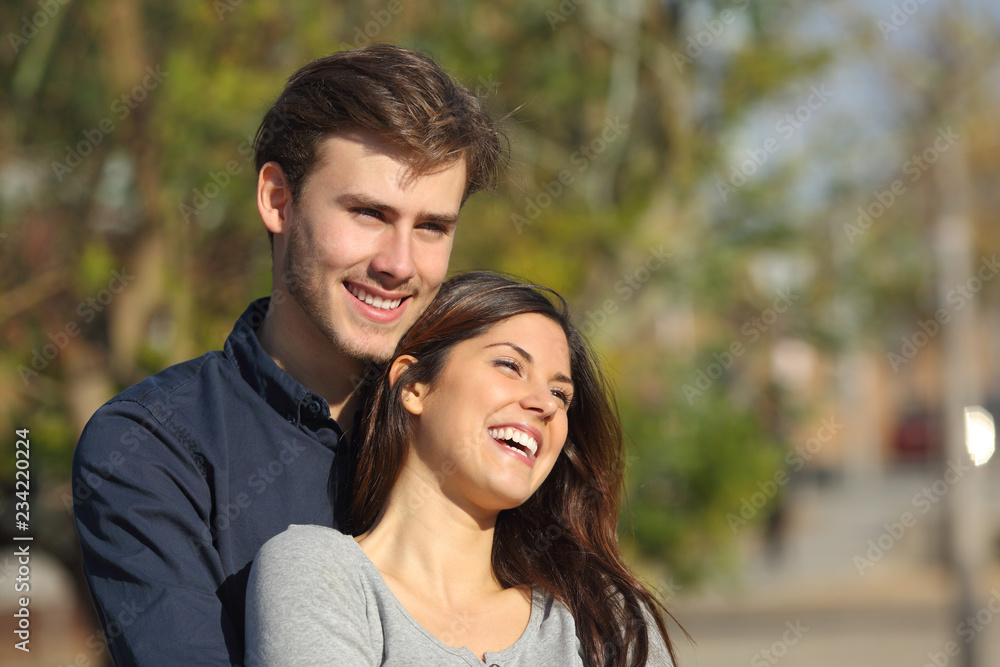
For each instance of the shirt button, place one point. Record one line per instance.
(315, 408)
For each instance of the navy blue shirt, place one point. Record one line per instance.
(179, 480)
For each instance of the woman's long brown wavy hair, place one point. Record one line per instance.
(564, 538)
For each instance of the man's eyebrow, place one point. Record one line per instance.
(357, 199)
(559, 377)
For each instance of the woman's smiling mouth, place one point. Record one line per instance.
(519, 439)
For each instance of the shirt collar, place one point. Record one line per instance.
(281, 391)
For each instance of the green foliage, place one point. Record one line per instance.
(96, 264)
(692, 466)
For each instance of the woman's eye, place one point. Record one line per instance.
(562, 396)
(508, 363)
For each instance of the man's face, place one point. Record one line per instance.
(367, 245)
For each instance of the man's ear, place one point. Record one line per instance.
(274, 197)
(412, 394)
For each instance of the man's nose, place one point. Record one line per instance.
(394, 258)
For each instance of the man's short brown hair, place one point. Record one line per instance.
(399, 94)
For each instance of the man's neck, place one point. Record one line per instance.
(305, 354)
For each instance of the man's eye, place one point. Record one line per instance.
(434, 227)
(369, 212)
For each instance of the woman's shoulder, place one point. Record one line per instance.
(558, 627)
(303, 552)
(551, 637)
(307, 599)
(552, 613)
(298, 538)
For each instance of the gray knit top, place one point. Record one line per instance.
(315, 598)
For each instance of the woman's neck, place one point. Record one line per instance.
(431, 545)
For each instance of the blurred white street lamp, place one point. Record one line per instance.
(980, 435)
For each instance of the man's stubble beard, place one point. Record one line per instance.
(304, 281)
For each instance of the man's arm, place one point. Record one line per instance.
(143, 509)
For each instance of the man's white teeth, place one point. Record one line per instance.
(375, 301)
(517, 436)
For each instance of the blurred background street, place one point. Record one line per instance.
(900, 611)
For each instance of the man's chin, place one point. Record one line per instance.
(378, 359)
(370, 352)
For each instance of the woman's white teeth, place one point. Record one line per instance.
(375, 301)
(516, 436)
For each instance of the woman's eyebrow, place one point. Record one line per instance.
(527, 357)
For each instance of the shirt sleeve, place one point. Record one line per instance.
(306, 604)
(142, 509)
(659, 656)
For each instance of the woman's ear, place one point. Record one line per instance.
(412, 394)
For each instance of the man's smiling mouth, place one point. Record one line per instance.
(372, 300)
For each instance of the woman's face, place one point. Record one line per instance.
(489, 428)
